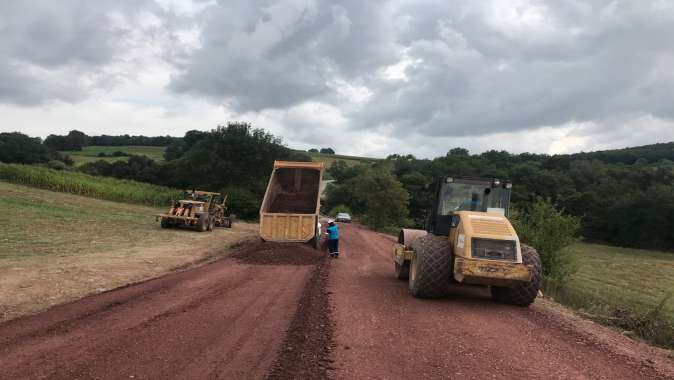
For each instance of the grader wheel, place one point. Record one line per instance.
(203, 222)
(523, 294)
(165, 223)
(430, 267)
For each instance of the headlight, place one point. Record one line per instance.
(494, 249)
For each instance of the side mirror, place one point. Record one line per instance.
(455, 221)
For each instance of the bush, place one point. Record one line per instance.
(385, 199)
(56, 165)
(339, 208)
(241, 202)
(549, 231)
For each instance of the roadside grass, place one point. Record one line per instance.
(90, 186)
(56, 247)
(631, 289)
(90, 153)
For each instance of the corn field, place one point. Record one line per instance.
(86, 185)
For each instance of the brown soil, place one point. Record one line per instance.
(296, 191)
(271, 253)
(222, 320)
(300, 203)
(305, 353)
(383, 332)
(230, 319)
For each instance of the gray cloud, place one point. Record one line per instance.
(51, 50)
(476, 67)
(379, 72)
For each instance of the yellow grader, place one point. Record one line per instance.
(200, 209)
(469, 240)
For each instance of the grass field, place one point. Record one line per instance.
(90, 153)
(91, 186)
(329, 159)
(617, 283)
(57, 247)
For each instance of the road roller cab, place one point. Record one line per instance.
(469, 240)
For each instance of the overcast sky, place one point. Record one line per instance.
(364, 77)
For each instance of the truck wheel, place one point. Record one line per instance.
(203, 222)
(211, 223)
(165, 223)
(524, 293)
(402, 271)
(227, 223)
(430, 267)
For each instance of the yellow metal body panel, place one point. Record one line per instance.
(299, 165)
(288, 227)
(474, 224)
(489, 272)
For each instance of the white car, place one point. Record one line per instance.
(343, 217)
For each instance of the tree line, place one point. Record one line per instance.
(619, 197)
(624, 197)
(76, 140)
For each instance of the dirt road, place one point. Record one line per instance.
(382, 332)
(222, 320)
(283, 311)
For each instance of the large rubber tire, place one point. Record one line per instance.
(165, 223)
(226, 223)
(402, 271)
(211, 223)
(430, 267)
(203, 222)
(524, 293)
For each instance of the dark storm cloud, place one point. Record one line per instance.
(47, 47)
(475, 67)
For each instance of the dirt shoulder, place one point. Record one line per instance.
(30, 284)
(383, 332)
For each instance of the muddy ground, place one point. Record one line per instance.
(285, 311)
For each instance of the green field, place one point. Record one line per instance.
(57, 247)
(614, 282)
(90, 153)
(51, 223)
(90, 186)
(329, 159)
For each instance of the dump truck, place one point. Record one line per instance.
(468, 239)
(201, 209)
(291, 204)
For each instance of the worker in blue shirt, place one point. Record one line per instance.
(333, 238)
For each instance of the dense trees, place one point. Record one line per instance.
(618, 197)
(371, 192)
(235, 159)
(18, 148)
(76, 140)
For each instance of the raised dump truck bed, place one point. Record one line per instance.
(291, 204)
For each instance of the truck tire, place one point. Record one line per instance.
(226, 223)
(203, 222)
(211, 223)
(402, 271)
(524, 293)
(430, 267)
(165, 223)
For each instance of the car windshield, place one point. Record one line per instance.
(343, 215)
